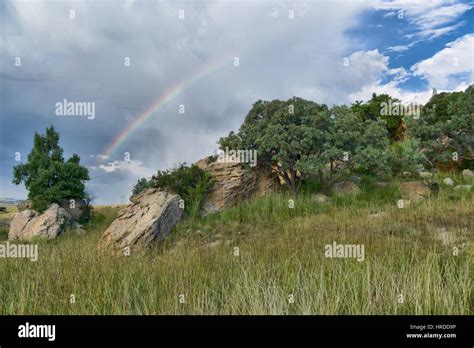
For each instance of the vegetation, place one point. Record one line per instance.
(47, 176)
(299, 138)
(373, 110)
(446, 128)
(191, 183)
(281, 253)
(265, 255)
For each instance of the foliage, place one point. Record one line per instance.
(446, 126)
(372, 110)
(47, 176)
(192, 184)
(300, 138)
(404, 156)
(141, 186)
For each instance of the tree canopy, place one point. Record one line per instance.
(299, 138)
(47, 176)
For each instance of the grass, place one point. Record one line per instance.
(280, 254)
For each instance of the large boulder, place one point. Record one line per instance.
(234, 183)
(30, 224)
(150, 218)
(414, 191)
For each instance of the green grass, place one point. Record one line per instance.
(281, 253)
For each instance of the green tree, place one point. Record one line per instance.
(300, 138)
(373, 110)
(445, 127)
(47, 176)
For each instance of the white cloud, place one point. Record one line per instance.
(430, 19)
(134, 167)
(399, 48)
(450, 67)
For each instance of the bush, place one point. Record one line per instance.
(192, 184)
(141, 186)
(404, 156)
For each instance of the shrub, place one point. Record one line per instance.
(192, 184)
(404, 156)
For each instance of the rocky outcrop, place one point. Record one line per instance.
(150, 218)
(24, 205)
(30, 224)
(233, 183)
(414, 191)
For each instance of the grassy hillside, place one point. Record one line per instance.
(409, 266)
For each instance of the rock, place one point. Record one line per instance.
(29, 224)
(425, 175)
(345, 187)
(463, 187)
(356, 179)
(414, 190)
(78, 228)
(406, 174)
(24, 205)
(214, 244)
(467, 173)
(381, 184)
(76, 208)
(448, 181)
(150, 219)
(234, 183)
(320, 198)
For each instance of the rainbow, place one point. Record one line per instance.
(164, 98)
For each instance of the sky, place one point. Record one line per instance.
(169, 78)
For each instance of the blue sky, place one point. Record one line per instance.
(286, 48)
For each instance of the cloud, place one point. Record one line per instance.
(430, 19)
(449, 67)
(82, 59)
(134, 167)
(399, 48)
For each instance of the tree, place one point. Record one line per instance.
(47, 177)
(373, 110)
(445, 129)
(300, 138)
